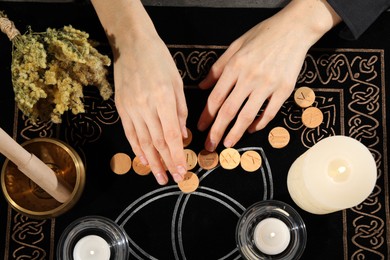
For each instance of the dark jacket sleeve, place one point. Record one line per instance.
(358, 15)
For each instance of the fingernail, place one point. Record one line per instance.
(177, 177)
(228, 143)
(184, 132)
(160, 178)
(210, 146)
(181, 170)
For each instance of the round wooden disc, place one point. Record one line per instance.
(279, 137)
(251, 161)
(304, 97)
(187, 141)
(139, 168)
(229, 158)
(312, 117)
(120, 163)
(207, 160)
(191, 158)
(190, 183)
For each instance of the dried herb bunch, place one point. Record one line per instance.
(49, 70)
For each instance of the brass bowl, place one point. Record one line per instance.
(28, 198)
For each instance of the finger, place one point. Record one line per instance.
(171, 146)
(161, 147)
(141, 146)
(152, 155)
(182, 111)
(275, 103)
(216, 98)
(133, 139)
(130, 133)
(212, 76)
(245, 118)
(217, 68)
(226, 114)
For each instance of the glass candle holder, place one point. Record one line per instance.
(271, 230)
(93, 237)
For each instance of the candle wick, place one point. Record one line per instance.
(342, 169)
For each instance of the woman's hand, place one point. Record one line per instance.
(150, 100)
(263, 64)
(149, 93)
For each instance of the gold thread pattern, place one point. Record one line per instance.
(349, 86)
(28, 237)
(356, 71)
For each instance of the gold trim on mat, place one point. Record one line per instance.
(360, 72)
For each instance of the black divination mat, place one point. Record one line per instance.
(162, 223)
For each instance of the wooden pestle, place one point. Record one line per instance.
(33, 168)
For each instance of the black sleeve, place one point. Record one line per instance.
(358, 15)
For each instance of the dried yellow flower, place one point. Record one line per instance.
(49, 70)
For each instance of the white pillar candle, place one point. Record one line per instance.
(33, 168)
(271, 236)
(91, 247)
(337, 173)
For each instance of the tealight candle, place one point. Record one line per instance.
(91, 247)
(337, 173)
(271, 236)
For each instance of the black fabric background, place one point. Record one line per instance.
(104, 190)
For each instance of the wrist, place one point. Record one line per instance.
(313, 18)
(122, 19)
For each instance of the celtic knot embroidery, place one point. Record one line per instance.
(87, 127)
(326, 68)
(194, 65)
(28, 235)
(358, 73)
(292, 120)
(40, 129)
